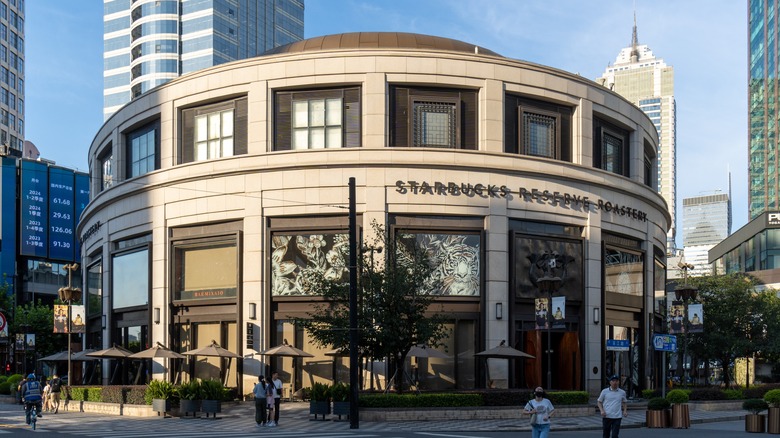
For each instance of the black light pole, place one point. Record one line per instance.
(69, 294)
(549, 285)
(686, 293)
(354, 421)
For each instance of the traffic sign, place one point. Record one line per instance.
(618, 344)
(2, 322)
(665, 342)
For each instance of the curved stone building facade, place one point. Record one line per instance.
(213, 194)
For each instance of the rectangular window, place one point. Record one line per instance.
(317, 119)
(433, 117)
(537, 128)
(95, 289)
(297, 256)
(610, 147)
(206, 270)
(130, 278)
(214, 131)
(624, 271)
(107, 171)
(143, 150)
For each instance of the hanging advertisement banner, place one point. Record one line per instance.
(77, 319)
(540, 304)
(60, 318)
(695, 318)
(30, 341)
(558, 312)
(676, 318)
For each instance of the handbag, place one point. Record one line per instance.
(533, 419)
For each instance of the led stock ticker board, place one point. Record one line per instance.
(52, 198)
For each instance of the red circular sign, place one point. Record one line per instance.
(2, 322)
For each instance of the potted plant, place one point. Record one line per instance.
(340, 393)
(681, 418)
(190, 397)
(772, 397)
(657, 414)
(754, 421)
(159, 394)
(213, 393)
(320, 400)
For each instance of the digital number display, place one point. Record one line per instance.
(34, 212)
(61, 214)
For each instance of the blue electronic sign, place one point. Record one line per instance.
(61, 214)
(82, 199)
(33, 221)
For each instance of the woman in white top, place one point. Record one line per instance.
(540, 409)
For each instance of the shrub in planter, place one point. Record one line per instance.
(772, 397)
(190, 396)
(755, 405)
(340, 393)
(159, 394)
(677, 396)
(658, 404)
(320, 400)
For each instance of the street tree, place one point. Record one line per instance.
(395, 301)
(738, 320)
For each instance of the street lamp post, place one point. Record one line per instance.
(685, 293)
(69, 294)
(549, 285)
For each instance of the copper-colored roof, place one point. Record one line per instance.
(380, 40)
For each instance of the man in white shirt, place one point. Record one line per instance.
(612, 404)
(277, 396)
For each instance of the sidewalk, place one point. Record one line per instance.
(295, 416)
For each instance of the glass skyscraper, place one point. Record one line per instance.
(149, 42)
(706, 222)
(764, 165)
(12, 77)
(648, 82)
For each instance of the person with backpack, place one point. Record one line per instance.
(54, 393)
(260, 403)
(32, 395)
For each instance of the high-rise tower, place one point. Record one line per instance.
(648, 82)
(706, 222)
(149, 42)
(763, 138)
(12, 77)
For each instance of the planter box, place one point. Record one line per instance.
(211, 407)
(773, 422)
(681, 417)
(161, 406)
(319, 408)
(341, 408)
(187, 407)
(657, 419)
(755, 423)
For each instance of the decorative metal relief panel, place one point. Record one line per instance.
(532, 257)
(456, 262)
(297, 258)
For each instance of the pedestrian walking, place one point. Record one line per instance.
(270, 392)
(612, 404)
(540, 409)
(46, 396)
(261, 405)
(54, 396)
(277, 397)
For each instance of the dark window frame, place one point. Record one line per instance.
(135, 133)
(601, 159)
(239, 105)
(416, 103)
(524, 147)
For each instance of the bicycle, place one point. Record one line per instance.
(31, 414)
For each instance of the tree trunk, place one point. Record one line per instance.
(399, 374)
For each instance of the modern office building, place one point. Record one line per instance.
(228, 187)
(706, 222)
(763, 138)
(11, 77)
(149, 42)
(648, 82)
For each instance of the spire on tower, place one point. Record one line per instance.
(634, 43)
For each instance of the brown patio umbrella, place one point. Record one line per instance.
(214, 350)
(82, 355)
(158, 351)
(504, 351)
(286, 350)
(425, 351)
(115, 352)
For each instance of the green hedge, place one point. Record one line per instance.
(5, 388)
(419, 401)
(758, 391)
(85, 393)
(706, 394)
(506, 398)
(569, 398)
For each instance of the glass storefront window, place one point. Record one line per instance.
(456, 261)
(623, 271)
(130, 278)
(95, 290)
(296, 258)
(206, 271)
(659, 287)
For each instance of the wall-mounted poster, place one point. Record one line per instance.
(542, 312)
(297, 258)
(455, 259)
(695, 318)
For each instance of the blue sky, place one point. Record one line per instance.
(705, 41)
